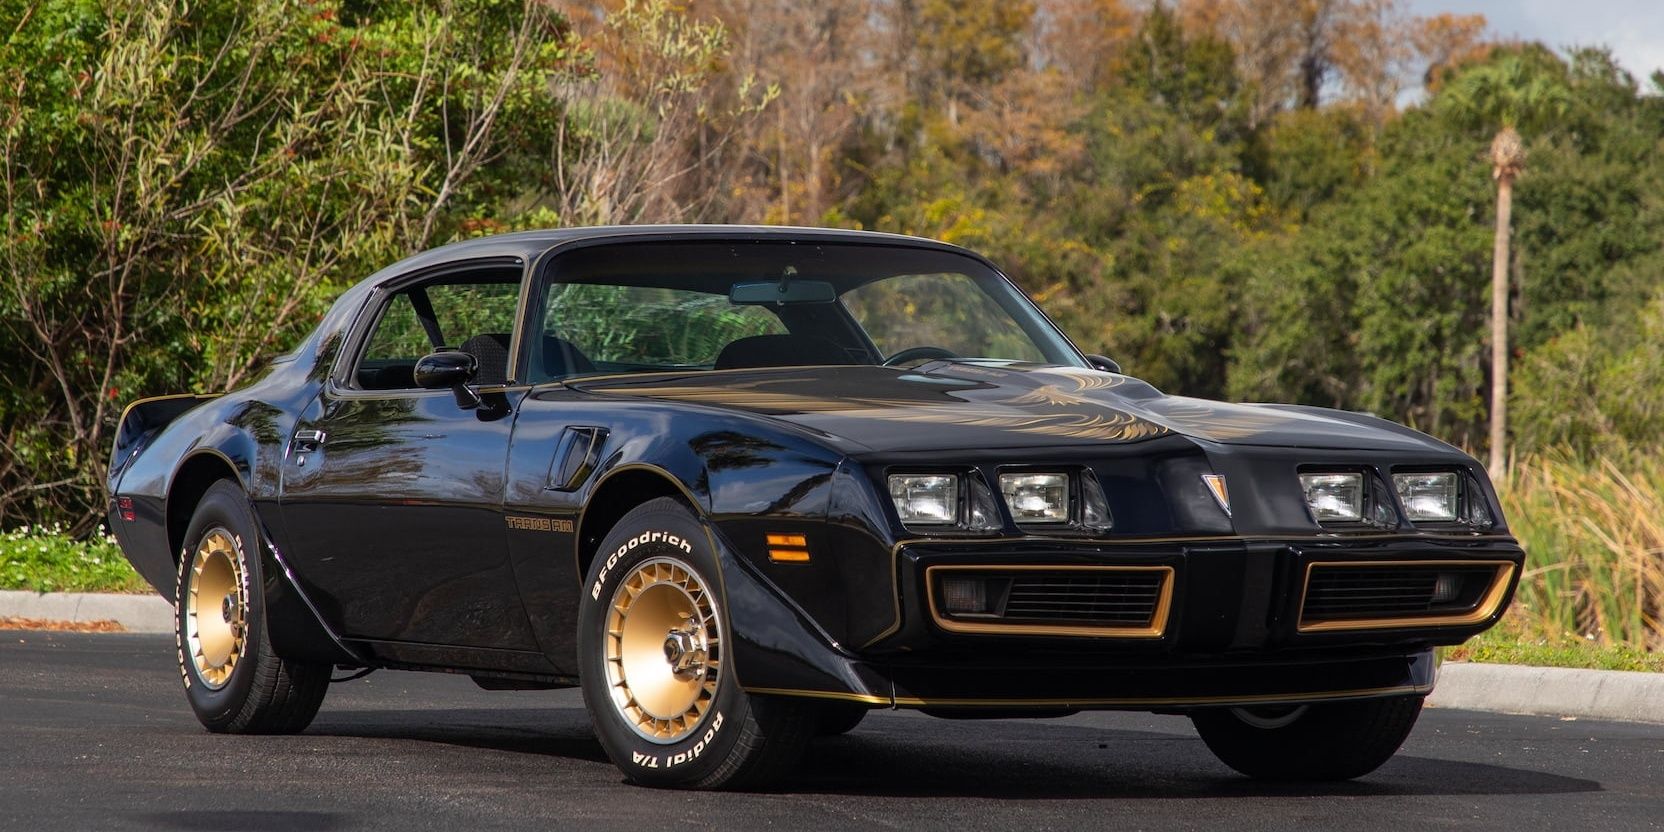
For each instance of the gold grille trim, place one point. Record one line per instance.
(1154, 629)
(1488, 604)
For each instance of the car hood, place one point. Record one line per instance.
(946, 405)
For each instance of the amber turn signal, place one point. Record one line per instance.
(788, 548)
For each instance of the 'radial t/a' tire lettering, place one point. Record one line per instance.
(653, 640)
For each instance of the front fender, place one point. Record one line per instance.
(778, 649)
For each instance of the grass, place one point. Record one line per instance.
(1594, 541)
(45, 559)
(1508, 644)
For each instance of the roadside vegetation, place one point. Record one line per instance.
(46, 559)
(1258, 200)
(1594, 537)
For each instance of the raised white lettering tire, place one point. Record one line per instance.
(233, 680)
(656, 673)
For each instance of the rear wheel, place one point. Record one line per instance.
(657, 676)
(234, 682)
(1332, 741)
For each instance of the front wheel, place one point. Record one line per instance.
(233, 681)
(657, 673)
(1326, 742)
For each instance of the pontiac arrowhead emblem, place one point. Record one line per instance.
(1221, 494)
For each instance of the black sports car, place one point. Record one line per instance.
(743, 484)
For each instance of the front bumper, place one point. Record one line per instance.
(1057, 685)
(1229, 595)
(1233, 635)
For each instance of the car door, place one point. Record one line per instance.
(392, 495)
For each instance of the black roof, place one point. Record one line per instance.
(529, 244)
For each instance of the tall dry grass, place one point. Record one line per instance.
(1594, 540)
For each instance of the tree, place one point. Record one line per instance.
(1520, 88)
(185, 186)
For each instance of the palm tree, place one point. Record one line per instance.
(1517, 89)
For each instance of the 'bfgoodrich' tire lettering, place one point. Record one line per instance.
(645, 537)
(736, 739)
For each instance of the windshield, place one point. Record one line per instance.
(721, 306)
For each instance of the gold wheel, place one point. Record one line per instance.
(215, 607)
(662, 650)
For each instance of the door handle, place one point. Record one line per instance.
(308, 440)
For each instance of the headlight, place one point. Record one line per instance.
(1431, 497)
(926, 499)
(1334, 496)
(1036, 498)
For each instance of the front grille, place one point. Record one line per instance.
(1116, 598)
(1127, 601)
(1353, 595)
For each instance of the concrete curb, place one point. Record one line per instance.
(1551, 691)
(1511, 689)
(136, 613)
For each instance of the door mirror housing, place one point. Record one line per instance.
(446, 368)
(1103, 362)
(452, 369)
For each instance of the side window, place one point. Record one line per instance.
(474, 313)
(938, 310)
(600, 328)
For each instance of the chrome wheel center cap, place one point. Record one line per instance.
(684, 649)
(228, 607)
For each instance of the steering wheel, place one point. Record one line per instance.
(912, 353)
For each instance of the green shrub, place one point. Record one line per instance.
(46, 559)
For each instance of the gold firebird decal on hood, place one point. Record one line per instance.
(1068, 403)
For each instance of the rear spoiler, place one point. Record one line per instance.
(144, 419)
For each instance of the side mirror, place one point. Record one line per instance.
(452, 369)
(447, 368)
(1104, 362)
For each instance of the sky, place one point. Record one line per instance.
(1633, 29)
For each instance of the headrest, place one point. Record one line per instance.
(491, 349)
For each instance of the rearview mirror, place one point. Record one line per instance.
(1103, 362)
(782, 292)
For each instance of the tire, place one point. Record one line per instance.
(1328, 742)
(679, 721)
(233, 681)
(838, 718)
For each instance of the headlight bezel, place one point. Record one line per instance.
(1376, 507)
(1473, 505)
(1417, 491)
(1335, 484)
(983, 508)
(899, 485)
(975, 511)
(1014, 484)
(1384, 508)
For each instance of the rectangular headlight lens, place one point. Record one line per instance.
(926, 499)
(1428, 497)
(1036, 498)
(1334, 496)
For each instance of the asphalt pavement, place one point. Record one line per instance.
(95, 734)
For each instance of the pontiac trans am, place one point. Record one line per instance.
(742, 485)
